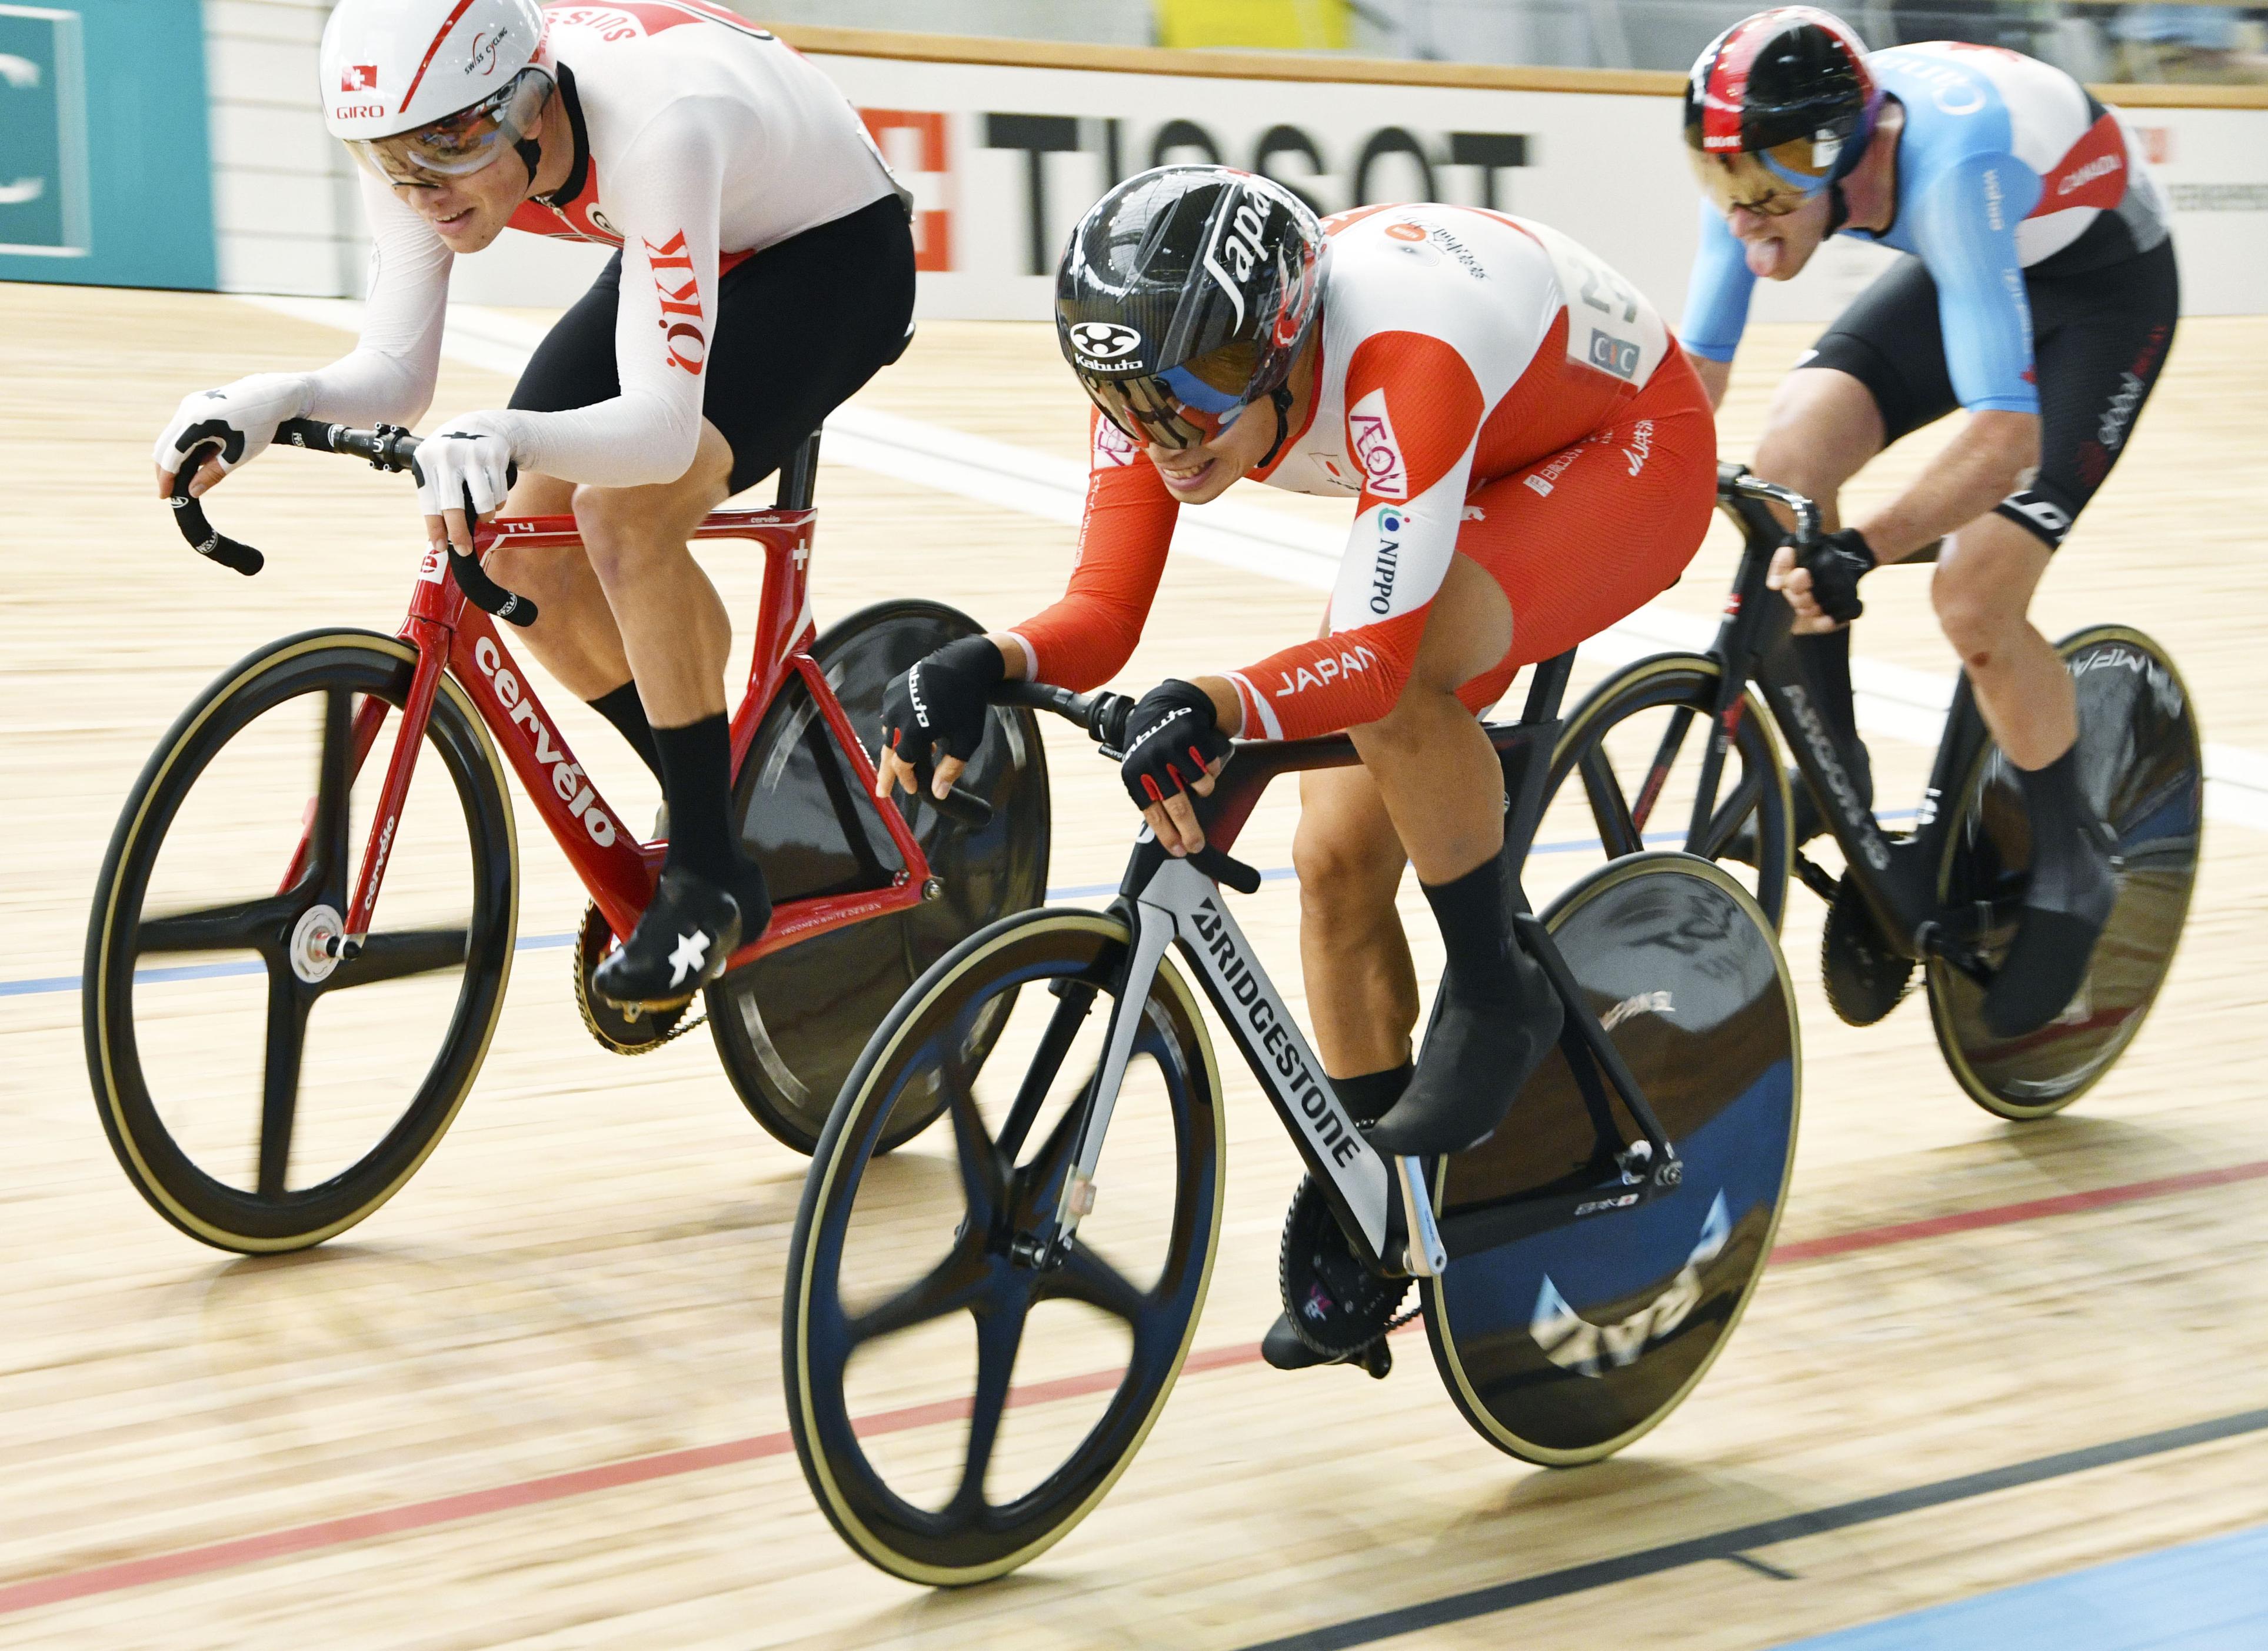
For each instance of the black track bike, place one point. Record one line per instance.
(979, 1332)
(1679, 748)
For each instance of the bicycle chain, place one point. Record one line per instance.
(589, 1021)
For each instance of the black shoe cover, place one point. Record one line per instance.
(1475, 1058)
(2064, 912)
(679, 946)
(1283, 1350)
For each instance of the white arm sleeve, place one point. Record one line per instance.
(388, 376)
(670, 181)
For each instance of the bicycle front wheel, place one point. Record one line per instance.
(789, 1026)
(920, 1326)
(2141, 761)
(261, 1093)
(1627, 771)
(1562, 1345)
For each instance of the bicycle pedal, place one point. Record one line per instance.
(1376, 1360)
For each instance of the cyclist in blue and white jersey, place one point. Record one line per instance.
(2039, 293)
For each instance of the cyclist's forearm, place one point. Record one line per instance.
(1714, 376)
(1976, 470)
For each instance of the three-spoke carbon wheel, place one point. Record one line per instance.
(1635, 746)
(2141, 761)
(260, 1092)
(789, 1026)
(1561, 1345)
(960, 1402)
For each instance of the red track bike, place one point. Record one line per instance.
(221, 853)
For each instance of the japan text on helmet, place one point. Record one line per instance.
(423, 90)
(1777, 107)
(1185, 295)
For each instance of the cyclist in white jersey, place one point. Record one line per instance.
(765, 272)
(2039, 293)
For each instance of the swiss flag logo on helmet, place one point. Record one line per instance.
(359, 77)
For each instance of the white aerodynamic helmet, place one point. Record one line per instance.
(427, 89)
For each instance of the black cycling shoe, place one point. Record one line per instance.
(748, 886)
(679, 946)
(2073, 888)
(1476, 1056)
(1283, 1350)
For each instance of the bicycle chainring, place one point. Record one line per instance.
(1865, 979)
(1337, 1306)
(625, 1032)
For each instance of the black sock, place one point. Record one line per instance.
(697, 780)
(1485, 964)
(1368, 1096)
(2065, 876)
(624, 709)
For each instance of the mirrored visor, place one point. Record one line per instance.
(1771, 182)
(459, 144)
(1184, 406)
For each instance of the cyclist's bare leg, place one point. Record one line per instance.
(1362, 988)
(1981, 590)
(574, 636)
(1821, 431)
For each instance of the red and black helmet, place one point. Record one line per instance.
(1789, 90)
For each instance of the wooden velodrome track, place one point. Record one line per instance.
(536, 1399)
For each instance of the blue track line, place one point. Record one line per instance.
(551, 942)
(2210, 1595)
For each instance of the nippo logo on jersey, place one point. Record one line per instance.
(359, 77)
(1106, 344)
(684, 337)
(1383, 473)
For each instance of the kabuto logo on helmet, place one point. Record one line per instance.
(1106, 344)
(1236, 245)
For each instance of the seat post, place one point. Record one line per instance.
(798, 476)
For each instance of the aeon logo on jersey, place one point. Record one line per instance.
(566, 778)
(684, 339)
(1383, 473)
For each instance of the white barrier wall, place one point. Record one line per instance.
(1003, 159)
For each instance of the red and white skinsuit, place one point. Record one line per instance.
(1486, 387)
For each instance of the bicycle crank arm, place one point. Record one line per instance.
(1426, 1256)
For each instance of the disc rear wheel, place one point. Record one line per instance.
(1575, 1334)
(2141, 765)
(789, 1026)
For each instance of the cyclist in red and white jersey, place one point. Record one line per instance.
(765, 272)
(1530, 458)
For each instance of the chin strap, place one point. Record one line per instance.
(531, 156)
(1280, 399)
(1838, 208)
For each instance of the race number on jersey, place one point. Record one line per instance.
(1610, 324)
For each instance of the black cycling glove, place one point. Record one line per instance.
(942, 703)
(1836, 565)
(1173, 736)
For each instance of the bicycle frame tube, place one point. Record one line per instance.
(1897, 876)
(616, 868)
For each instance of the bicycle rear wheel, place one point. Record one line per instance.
(789, 1026)
(1563, 1346)
(2141, 759)
(245, 1117)
(959, 1405)
(1627, 767)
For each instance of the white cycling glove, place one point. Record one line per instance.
(242, 417)
(460, 453)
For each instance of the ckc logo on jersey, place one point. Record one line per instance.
(566, 778)
(1375, 449)
(1105, 344)
(359, 77)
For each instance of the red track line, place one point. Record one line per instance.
(330, 1533)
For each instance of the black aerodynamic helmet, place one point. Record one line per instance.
(1777, 107)
(1185, 295)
